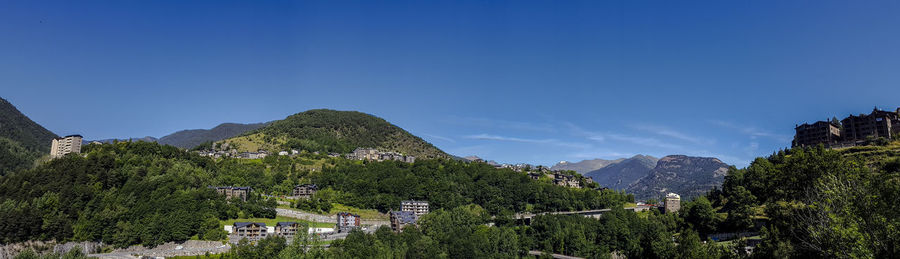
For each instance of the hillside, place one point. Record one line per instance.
(195, 137)
(619, 176)
(334, 131)
(21, 139)
(19, 128)
(684, 175)
(585, 165)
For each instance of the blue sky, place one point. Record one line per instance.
(513, 81)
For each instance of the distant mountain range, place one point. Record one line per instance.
(334, 131)
(585, 165)
(650, 178)
(624, 173)
(194, 137)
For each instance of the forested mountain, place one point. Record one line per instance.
(619, 176)
(195, 137)
(21, 139)
(335, 131)
(585, 166)
(684, 175)
(17, 127)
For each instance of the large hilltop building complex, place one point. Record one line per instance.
(62, 146)
(849, 131)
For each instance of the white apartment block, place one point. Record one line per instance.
(62, 146)
(418, 207)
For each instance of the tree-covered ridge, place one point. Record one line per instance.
(19, 128)
(340, 131)
(812, 201)
(450, 183)
(121, 194)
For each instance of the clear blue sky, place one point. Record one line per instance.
(516, 81)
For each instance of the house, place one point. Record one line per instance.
(401, 219)
(566, 180)
(252, 231)
(305, 190)
(287, 229)
(233, 192)
(418, 207)
(347, 221)
(535, 175)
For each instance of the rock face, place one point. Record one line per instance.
(585, 166)
(684, 175)
(620, 175)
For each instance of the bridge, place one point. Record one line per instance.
(587, 213)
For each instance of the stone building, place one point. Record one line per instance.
(347, 221)
(672, 203)
(566, 180)
(61, 146)
(418, 207)
(824, 132)
(851, 130)
(252, 231)
(305, 190)
(876, 124)
(233, 192)
(287, 229)
(402, 219)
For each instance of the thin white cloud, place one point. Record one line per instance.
(439, 137)
(525, 140)
(502, 124)
(663, 131)
(602, 137)
(752, 132)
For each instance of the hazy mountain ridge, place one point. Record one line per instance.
(620, 175)
(194, 137)
(684, 175)
(585, 166)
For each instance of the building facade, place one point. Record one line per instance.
(417, 207)
(672, 203)
(402, 219)
(61, 146)
(305, 190)
(851, 131)
(347, 221)
(819, 132)
(287, 229)
(233, 192)
(252, 231)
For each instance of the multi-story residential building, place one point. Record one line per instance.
(876, 124)
(566, 180)
(672, 203)
(233, 192)
(418, 207)
(850, 131)
(374, 154)
(305, 190)
(252, 231)
(287, 229)
(347, 221)
(401, 219)
(825, 132)
(61, 146)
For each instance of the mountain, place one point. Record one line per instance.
(619, 176)
(19, 128)
(195, 137)
(334, 131)
(21, 139)
(684, 175)
(585, 165)
(144, 139)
